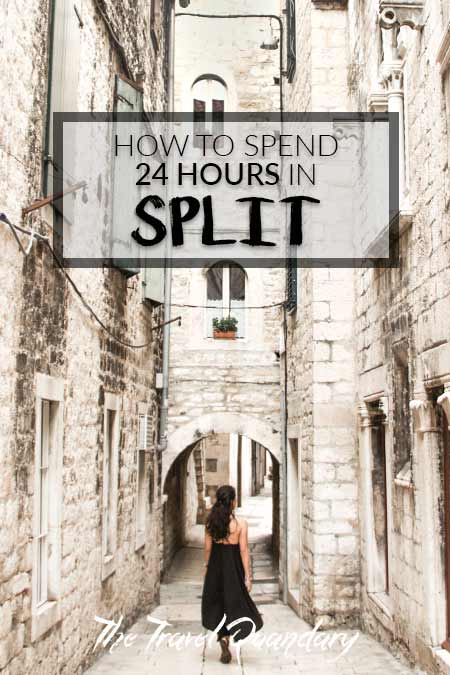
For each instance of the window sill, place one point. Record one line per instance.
(108, 566)
(140, 541)
(442, 656)
(383, 602)
(44, 617)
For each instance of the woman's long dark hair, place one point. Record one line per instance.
(218, 521)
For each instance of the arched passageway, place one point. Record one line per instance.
(217, 458)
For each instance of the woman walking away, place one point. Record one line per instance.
(227, 585)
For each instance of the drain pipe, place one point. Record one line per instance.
(164, 409)
(284, 448)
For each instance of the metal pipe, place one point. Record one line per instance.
(164, 409)
(284, 442)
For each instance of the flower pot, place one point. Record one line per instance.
(224, 335)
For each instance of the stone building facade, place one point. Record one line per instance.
(224, 386)
(323, 579)
(402, 349)
(368, 350)
(80, 479)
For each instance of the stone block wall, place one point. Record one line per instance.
(320, 353)
(45, 330)
(402, 324)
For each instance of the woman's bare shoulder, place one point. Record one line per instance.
(242, 522)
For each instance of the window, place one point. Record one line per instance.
(225, 292)
(144, 443)
(379, 499)
(443, 423)
(110, 483)
(209, 94)
(64, 66)
(47, 505)
(291, 39)
(443, 57)
(211, 465)
(402, 413)
(128, 98)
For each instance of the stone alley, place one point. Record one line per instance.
(180, 606)
(307, 375)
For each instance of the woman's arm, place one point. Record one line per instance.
(243, 547)
(208, 546)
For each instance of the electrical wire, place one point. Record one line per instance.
(115, 39)
(124, 343)
(79, 294)
(276, 304)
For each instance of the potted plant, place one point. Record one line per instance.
(225, 329)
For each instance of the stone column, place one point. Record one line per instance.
(393, 16)
(367, 520)
(428, 484)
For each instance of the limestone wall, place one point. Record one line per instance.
(321, 396)
(45, 330)
(403, 334)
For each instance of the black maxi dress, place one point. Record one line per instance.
(224, 592)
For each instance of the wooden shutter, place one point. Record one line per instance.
(64, 67)
(199, 121)
(153, 284)
(291, 40)
(218, 109)
(128, 98)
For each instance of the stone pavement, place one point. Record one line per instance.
(180, 606)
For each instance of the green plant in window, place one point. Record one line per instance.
(225, 325)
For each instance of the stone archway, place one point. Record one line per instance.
(180, 481)
(262, 432)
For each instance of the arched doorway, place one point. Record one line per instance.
(217, 451)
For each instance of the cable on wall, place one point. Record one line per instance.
(79, 294)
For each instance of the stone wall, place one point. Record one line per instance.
(46, 331)
(320, 363)
(217, 448)
(402, 326)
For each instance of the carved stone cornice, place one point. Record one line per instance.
(392, 76)
(444, 401)
(330, 4)
(423, 415)
(398, 13)
(377, 101)
(366, 415)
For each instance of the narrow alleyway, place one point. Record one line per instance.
(180, 607)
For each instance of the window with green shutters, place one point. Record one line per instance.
(64, 67)
(129, 98)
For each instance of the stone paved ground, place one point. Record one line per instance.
(180, 606)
